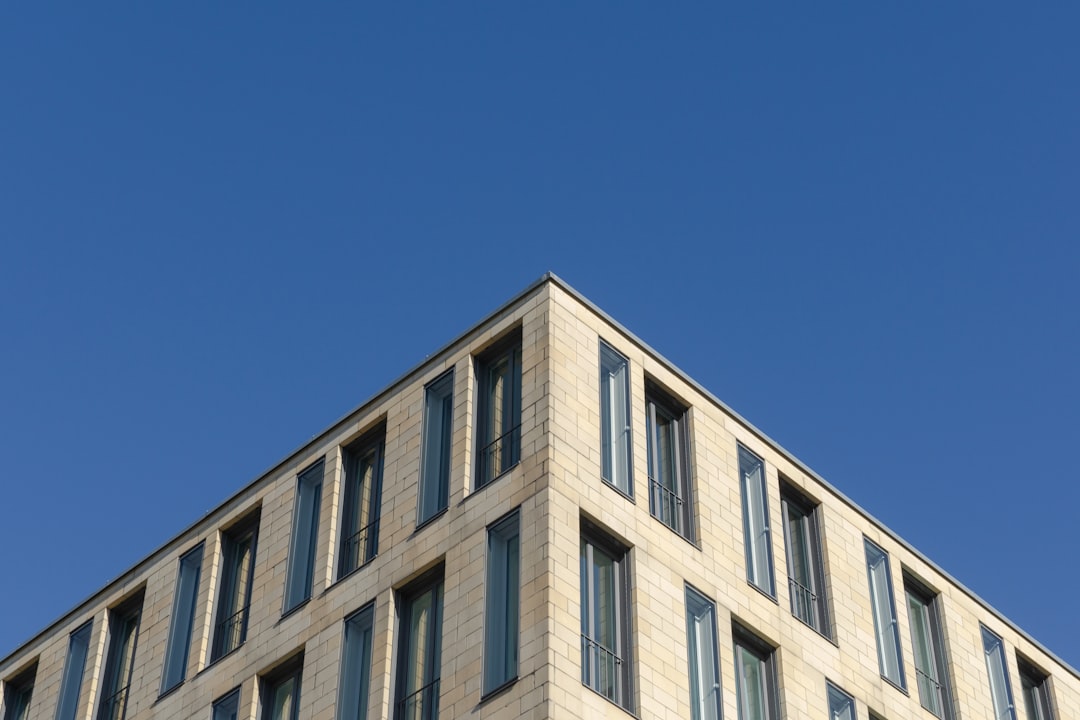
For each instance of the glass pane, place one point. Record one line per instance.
(756, 521)
(435, 478)
(71, 685)
(841, 706)
(304, 536)
(228, 708)
(753, 699)
(183, 618)
(1000, 692)
(501, 618)
(615, 419)
(703, 660)
(355, 668)
(284, 699)
(881, 599)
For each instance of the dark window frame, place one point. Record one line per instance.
(367, 451)
(434, 478)
(19, 692)
(615, 441)
(175, 639)
(270, 682)
(814, 600)
(420, 703)
(353, 680)
(746, 640)
(1036, 687)
(619, 687)
(124, 621)
(67, 704)
(931, 600)
(223, 704)
(231, 615)
(506, 446)
(672, 505)
(502, 604)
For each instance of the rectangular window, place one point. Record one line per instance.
(74, 666)
(615, 449)
(806, 571)
(606, 665)
(931, 670)
(1000, 688)
(841, 705)
(228, 707)
(419, 661)
(17, 693)
(756, 689)
(356, 665)
(498, 410)
(183, 619)
(756, 533)
(1036, 688)
(704, 659)
(435, 455)
(305, 536)
(234, 590)
(668, 429)
(361, 498)
(501, 616)
(119, 659)
(281, 692)
(884, 609)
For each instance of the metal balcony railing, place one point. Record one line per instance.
(230, 632)
(357, 549)
(601, 669)
(112, 707)
(420, 705)
(804, 603)
(666, 505)
(500, 455)
(930, 692)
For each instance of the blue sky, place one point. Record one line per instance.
(223, 228)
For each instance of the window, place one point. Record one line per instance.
(71, 685)
(356, 665)
(884, 609)
(305, 534)
(755, 678)
(1000, 689)
(119, 659)
(605, 619)
(668, 431)
(498, 410)
(841, 705)
(931, 671)
(616, 454)
(183, 619)
(1035, 685)
(228, 707)
(17, 692)
(419, 662)
(234, 593)
(806, 571)
(281, 692)
(435, 462)
(704, 660)
(360, 513)
(755, 502)
(501, 616)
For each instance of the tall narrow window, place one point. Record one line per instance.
(356, 666)
(884, 609)
(17, 693)
(605, 619)
(120, 659)
(360, 514)
(227, 707)
(305, 536)
(615, 450)
(756, 533)
(183, 619)
(668, 430)
(234, 590)
(704, 660)
(1036, 688)
(70, 687)
(1000, 688)
(806, 572)
(841, 705)
(927, 643)
(501, 616)
(498, 410)
(419, 654)
(281, 692)
(755, 678)
(435, 456)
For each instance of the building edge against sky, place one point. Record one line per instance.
(666, 486)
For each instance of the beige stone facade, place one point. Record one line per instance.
(557, 487)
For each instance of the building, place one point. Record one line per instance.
(545, 519)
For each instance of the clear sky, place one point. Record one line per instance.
(223, 228)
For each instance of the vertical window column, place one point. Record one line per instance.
(756, 533)
(227, 707)
(806, 571)
(305, 535)
(668, 430)
(1000, 688)
(1035, 685)
(503, 606)
(927, 643)
(498, 410)
(75, 665)
(420, 650)
(281, 692)
(841, 705)
(234, 590)
(356, 665)
(756, 688)
(885, 628)
(704, 658)
(183, 619)
(606, 665)
(120, 659)
(616, 455)
(17, 693)
(360, 512)
(435, 455)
